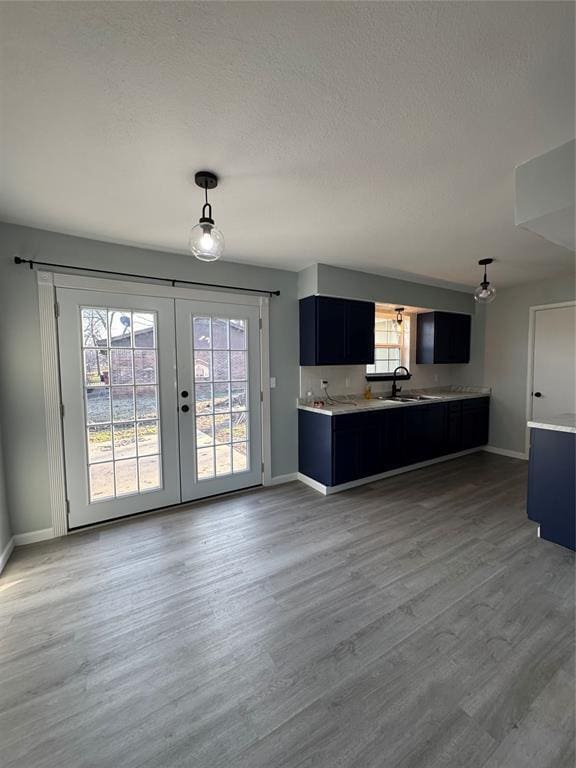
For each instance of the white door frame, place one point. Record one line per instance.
(48, 311)
(531, 344)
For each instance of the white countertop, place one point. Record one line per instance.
(357, 404)
(565, 422)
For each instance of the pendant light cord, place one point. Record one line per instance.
(206, 203)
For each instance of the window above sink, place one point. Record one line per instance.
(391, 345)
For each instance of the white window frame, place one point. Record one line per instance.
(48, 311)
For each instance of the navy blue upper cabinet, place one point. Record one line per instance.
(443, 337)
(336, 331)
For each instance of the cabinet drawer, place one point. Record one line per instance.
(356, 420)
(475, 403)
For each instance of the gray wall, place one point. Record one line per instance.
(335, 281)
(21, 394)
(5, 527)
(506, 355)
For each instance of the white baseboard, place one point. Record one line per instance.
(506, 452)
(33, 536)
(5, 555)
(314, 484)
(281, 479)
(327, 490)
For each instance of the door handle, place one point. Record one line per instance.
(185, 408)
(537, 394)
(184, 393)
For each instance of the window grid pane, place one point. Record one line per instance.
(119, 349)
(221, 396)
(391, 342)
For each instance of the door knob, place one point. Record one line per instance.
(184, 393)
(185, 409)
(537, 394)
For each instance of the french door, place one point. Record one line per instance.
(219, 397)
(161, 401)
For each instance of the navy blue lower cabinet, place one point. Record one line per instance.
(425, 432)
(315, 446)
(339, 449)
(551, 485)
(475, 422)
(357, 450)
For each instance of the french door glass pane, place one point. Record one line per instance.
(121, 397)
(221, 396)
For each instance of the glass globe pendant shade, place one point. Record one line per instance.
(206, 242)
(485, 293)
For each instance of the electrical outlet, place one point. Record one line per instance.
(323, 383)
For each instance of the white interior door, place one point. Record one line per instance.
(118, 380)
(218, 349)
(554, 387)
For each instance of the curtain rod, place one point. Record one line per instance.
(172, 281)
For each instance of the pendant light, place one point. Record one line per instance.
(206, 241)
(485, 293)
(399, 317)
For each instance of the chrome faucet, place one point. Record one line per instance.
(395, 387)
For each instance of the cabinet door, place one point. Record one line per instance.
(315, 446)
(357, 446)
(346, 456)
(443, 341)
(331, 331)
(425, 338)
(454, 427)
(435, 426)
(370, 449)
(307, 330)
(393, 440)
(360, 332)
(459, 351)
(425, 432)
(475, 423)
(452, 338)
(414, 434)
(551, 490)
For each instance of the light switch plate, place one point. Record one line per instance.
(272, 382)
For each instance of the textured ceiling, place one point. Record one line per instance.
(379, 136)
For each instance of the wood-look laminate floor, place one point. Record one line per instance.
(416, 622)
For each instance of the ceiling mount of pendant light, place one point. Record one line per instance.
(485, 293)
(206, 241)
(399, 317)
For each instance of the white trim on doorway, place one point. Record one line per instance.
(47, 284)
(265, 390)
(530, 367)
(52, 403)
(62, 280)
